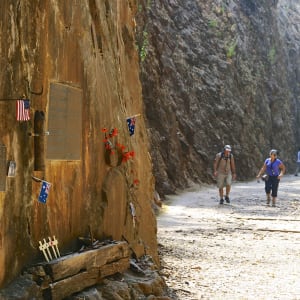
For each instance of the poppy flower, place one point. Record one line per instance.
(136, 181)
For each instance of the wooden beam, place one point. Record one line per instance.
(68, 286)
(72, 264)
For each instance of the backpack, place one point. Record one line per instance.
(222, 156)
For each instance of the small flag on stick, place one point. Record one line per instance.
(131, 125)
(44, 191)
(23, 110)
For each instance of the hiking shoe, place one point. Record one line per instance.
(221, 201)
(227, 199)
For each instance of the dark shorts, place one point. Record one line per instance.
(272, 185)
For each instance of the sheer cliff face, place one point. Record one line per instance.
(77, 63)
(216, 73)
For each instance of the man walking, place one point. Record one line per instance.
(224, 171)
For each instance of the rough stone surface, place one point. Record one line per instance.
(216, 73)
(139, 283)
(88, 46)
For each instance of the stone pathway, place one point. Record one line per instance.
(245, 250)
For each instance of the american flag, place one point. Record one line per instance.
(23, 110)
(131, 125)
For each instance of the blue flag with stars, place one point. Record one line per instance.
(131, 125)
(44, 192)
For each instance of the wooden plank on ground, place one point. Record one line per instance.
(72, 264)
(68, 286)
(116, 267)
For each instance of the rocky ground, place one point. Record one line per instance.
(245, 250)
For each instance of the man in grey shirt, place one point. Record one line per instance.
(224, 171)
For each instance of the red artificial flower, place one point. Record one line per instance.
(113, 132)
(125, 157)
(122, 147)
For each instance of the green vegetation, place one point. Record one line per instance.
(222, 9)
(143, 49)
(271, 55)
(143, 43)
(219, 9)
(212, 23)
(231, 49)
(148, 5)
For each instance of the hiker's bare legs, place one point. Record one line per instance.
(268, 199)
(273, 201)
(221, 193)
(228, 188)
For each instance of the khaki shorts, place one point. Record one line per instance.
(223, 180)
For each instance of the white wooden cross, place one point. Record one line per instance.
(46, 246)
(43, 249)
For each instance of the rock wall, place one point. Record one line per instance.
(55, 52)
(215, 73)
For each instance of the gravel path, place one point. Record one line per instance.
(245, 250)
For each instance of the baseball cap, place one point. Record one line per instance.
(273, 151)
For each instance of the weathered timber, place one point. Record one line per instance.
(80, 281)
(113, 268)
(68, 286)
(72, 264)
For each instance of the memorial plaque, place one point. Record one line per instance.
(64, 123)
(3, 167)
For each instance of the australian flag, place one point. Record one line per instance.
(44, 192)
(131, 125)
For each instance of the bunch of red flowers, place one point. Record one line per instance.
(126, 155)
(107, 142)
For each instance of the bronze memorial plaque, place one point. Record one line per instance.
(64, 122)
